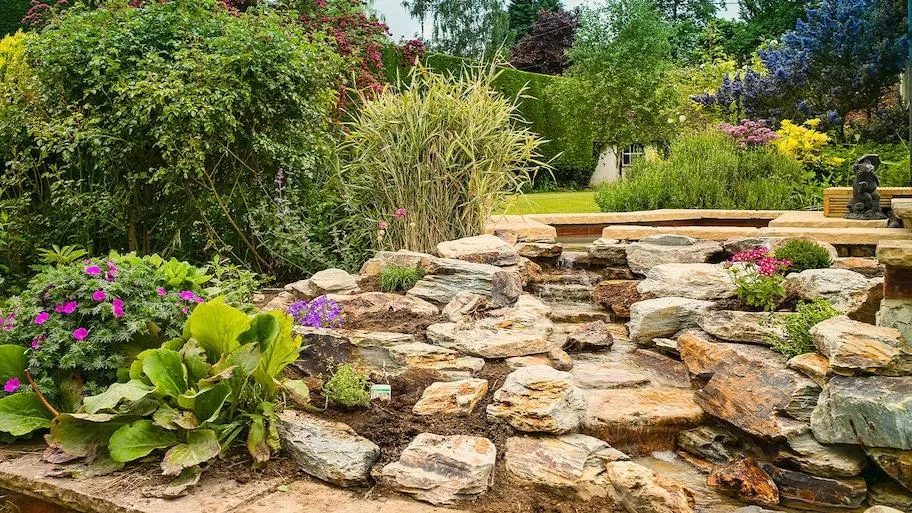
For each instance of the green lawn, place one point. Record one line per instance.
(553, 203)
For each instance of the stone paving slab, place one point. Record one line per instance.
(25, 473)
(816, 219)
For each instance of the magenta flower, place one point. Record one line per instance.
(187, 295)
(383, 225)
(66, 308)
(93, 270)
(161, 291)
(42, 318)
(11, 385)
(400, 212)
(117, 307)
(99, 295)
(185, 309)
(80, 333)
(37, 340)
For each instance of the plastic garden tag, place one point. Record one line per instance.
(381, 392)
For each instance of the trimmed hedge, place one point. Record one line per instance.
(575, 160)
(11, 14)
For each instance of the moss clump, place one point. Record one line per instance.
(347, 387)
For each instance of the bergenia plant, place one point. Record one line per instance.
(321, 312)
(758, 278)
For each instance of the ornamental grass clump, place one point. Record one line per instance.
(399, 278)
(446, 149)
(758, 278)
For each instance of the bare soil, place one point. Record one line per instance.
(393, 426)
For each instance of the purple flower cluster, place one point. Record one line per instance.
(8, 322)
(761, 261)
(321, 312)
(749, 132)
(11, 385)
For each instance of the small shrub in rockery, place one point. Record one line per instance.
(758, 278)
(804, 254)
(798, 326)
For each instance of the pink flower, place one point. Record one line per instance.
(42, 318)
(400, 212)
(161, 291)
(383, 225)
(185, 309)
(80, 333)
(117, 307)
(99, 295)
(37, 340)
(93, 270)
(66, 308)
(187, 295)
(11, 385)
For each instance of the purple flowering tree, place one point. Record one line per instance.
(842, 57)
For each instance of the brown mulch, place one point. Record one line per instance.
(393, 426)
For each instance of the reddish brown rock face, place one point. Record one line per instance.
(745, 480)
(806, 491)
(617, 295)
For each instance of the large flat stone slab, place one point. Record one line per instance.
(447, 277)
(661, 317)
(482, 249)
(854, 347)
(313, 497)
(873, 411)
(538, 399)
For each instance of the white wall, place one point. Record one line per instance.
(607, 169)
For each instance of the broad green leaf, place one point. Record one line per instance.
(202, 445)
(13, 362)
(256, 439)
(171, 418)
(22, 413)
(245, 358)
(138, 439)
(131, 391)
(136, 366)
(81, 434)
(208, 404)
(217, 326)
(264, 329)
(297, 390)
(166, 371)
(278, 352)
(187, 479)
(195, 358)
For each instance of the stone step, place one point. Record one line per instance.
(577, 312)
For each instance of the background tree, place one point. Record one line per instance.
(524, 13)
(468, 28)
(615, 84)
(842, 58)
(544, 48)
(686, 19)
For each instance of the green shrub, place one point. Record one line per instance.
(709, 171)
(347, 387)
(804, 254)
(798, 326)
(195, 396)
(83, 321)
(433, 162)
(179, 126)
(399, 278)
(11, 14)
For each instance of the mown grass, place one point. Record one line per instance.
(552, 203)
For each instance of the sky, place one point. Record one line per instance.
(404, 27)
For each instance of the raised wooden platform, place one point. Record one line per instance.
(836, 199)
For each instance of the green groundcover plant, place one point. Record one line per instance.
(80, 323)
(347, 387)
(194, 397)
(798, 326)
(399, 278)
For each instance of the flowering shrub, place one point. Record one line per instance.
(81, 323)
(749, 132)
(194, 396)
(321, 312)
(758, 277)
(806, 145)
(412, 51)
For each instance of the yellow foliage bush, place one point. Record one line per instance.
(806, 145)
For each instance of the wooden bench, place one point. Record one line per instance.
(836, 199)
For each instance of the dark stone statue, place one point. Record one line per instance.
(865, 202)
